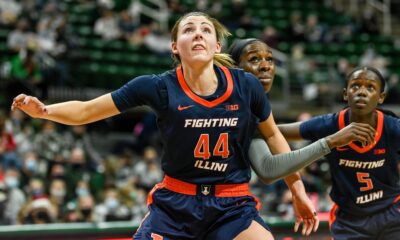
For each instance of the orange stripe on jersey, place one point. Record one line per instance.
(199, 100)
(179, 186)
(332, 214)
(221, 190)
(379, 129)
(155, 188)
(396, 199)
(144, 218)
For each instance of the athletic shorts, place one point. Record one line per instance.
(181, 210)
(381, 225)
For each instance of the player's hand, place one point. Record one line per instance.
(30, 105)
(306, 213)
(362, 132)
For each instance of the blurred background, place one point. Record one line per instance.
(99, 175)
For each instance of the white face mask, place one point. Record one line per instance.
(111, 203)
(82, 192)
(57, 192)
(11, 182)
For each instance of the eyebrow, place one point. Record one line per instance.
(256, 51)
(191, 23)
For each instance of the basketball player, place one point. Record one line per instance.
(207, 114)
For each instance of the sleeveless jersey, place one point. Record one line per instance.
(364, 179)
(205, 139)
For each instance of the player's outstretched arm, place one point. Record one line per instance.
(71, 112)
(303, 207)
(270, 168)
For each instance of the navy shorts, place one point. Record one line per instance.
(382, 225)
(180, 210)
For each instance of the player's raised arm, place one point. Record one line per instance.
(270, 168)
(71, 112)
(361, 132)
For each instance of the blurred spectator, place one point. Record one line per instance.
(313, 30)
(148, 171)
(15, 198)
(106, 4)
(135, 200)
(8, 156)
(57, 171)
(78, 137)
(50, 144)
(24, 137)
(127, 25)
(30, 167)
(285, 206)
(9, 11)
(36, 189)
(111, 208)
(296, 27)
(270, 36)
(175, 7)
(39, 211)
(393, 90)
(369, 21)
(299, 65)
(372, 59)
(214, 8)
(57, 196)
(107, 26)
(19, 38)
(26, 75)
(125, 168)
(237, 11)
(158, 41)
(85, 209)
(77, 171)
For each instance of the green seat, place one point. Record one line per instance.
(284, 47)
(116, 45)
(314, 48)
(4, 34)
(84, 31)
(95, 55)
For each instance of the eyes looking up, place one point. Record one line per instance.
(256, 58)
(370, 85)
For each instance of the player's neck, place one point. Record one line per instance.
(202, 80)
(370, 118)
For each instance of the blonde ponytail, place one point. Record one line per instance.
(223, 59)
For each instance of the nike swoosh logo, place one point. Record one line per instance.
(181, 108)
(341, 149)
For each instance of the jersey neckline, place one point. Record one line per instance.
(379, 128)
(200, 100)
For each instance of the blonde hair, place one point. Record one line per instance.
(220, 59)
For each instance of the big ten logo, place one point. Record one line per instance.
(232, 107)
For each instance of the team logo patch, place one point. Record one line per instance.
(232, 107)
(379, 151)
(205, 189)
(181, 108)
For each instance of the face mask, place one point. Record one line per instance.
(111, 203)
(31, 165)
(86, 212)
(133, 195)
(11, 182)
(76, 166)
(82, 192)
(57, 193)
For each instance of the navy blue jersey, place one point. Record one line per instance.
(205, 139)
(364, 179)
